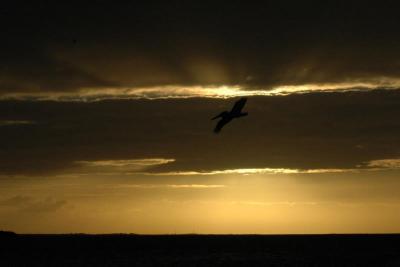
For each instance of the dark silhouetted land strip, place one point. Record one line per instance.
(199, 250)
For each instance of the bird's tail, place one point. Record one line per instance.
(217, 130)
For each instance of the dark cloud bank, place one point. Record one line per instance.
(65, 47)
(318, 130)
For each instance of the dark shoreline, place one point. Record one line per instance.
(199, 250)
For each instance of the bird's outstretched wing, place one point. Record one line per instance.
(237, 108)
(218, 116)
(219, 126)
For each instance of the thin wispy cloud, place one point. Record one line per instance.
(170, 186)
(249, 171)
(143, 167)
(126, 163)
(104, 167)
(271, 203)
(35, 205)
(133, 167)
(384, 164)
(196, 186)
(193, 91)
(15, 122)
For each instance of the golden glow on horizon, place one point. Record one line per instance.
(279, 203)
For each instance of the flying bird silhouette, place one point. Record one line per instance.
(227, 116)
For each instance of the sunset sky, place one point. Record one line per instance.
(105, 118)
